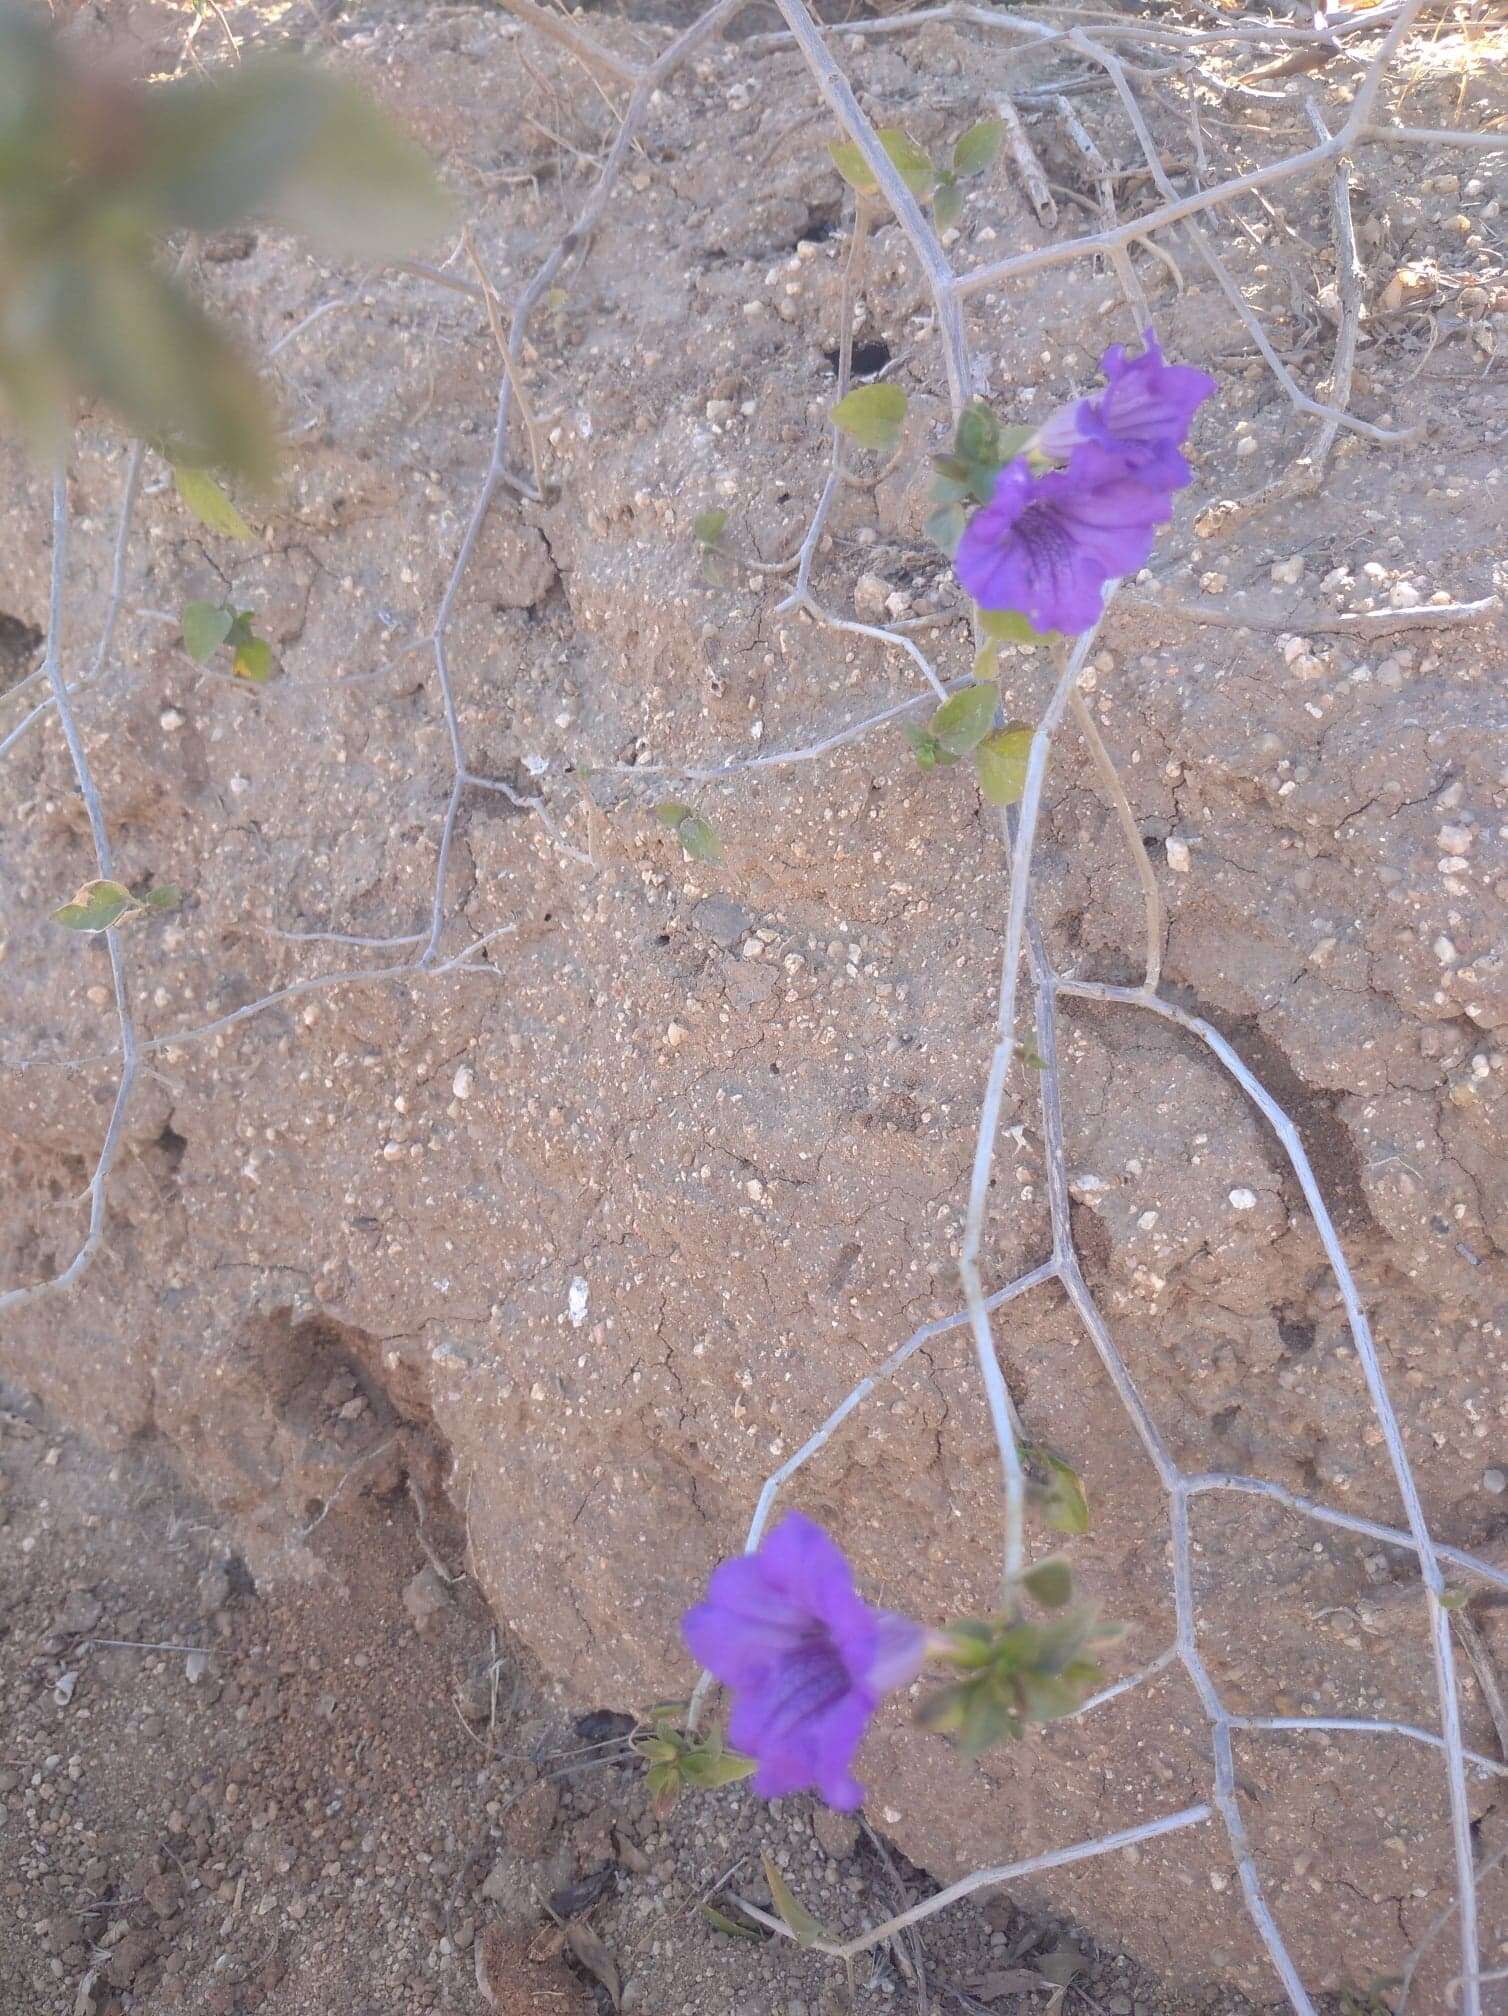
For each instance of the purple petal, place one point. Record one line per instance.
(1146, 409)
(900, 1651)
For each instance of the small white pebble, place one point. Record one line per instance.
(1495, 1481)
(1243, 1200)
(1290, 572)
(463, 1081)
(170, 719)
(1404, 595)
(1454, 839)
(1178, 855)
(576, 1301)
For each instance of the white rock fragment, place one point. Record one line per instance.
(1454, 839)
(463, 1081)
(1404, 595)
(1243, 1200)
(1290, 572)
(1179, 858)
(871, 592)
(577, 1300)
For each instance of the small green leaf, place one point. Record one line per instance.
(209, 503)
(1051, 1582)
(254, 662)
(1454, 1599)
(851, 165)
(696, 834)
(662, 1782)
(699, 838)
(710, 1768)
(912, 164)
(976, 437)
(1009, 626)
(944, 527)
(962, 722)
(731, 1928)
(978, 147)
(804, 1928)
(872, 415)
(1059, 1489)
(707, 528)
(1001, 760)
(947, 201)
(96, 907)
(205, 628)
(164, 897)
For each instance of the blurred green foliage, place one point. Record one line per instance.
(97, 170)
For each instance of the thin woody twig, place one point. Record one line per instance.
(1028, 163)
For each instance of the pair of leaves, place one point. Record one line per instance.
(697, 835)
(209, 625)
(972, 154)
(872, 415)
(964, 725)
(100, 905)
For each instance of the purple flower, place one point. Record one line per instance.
(1046, 545)
(1144, 414)
(807, 1659)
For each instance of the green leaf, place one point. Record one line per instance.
(944, 527)
(707, 527)
(977, 436)
(1001, 760)
(209, 503)
(129, 336)
(710, 1768)
(205, 628)
(1455, 1599)
(96, 907)
(978, 147)
(872, 414)
(254, 662)
(947, 201)
(696, 834)
(1064, 1502)
(699, 838)
(804, 1928)
(166, 896)
(962, 722)
(911, 163)
(279, 137)
(731, 1928)
(1009, 626)
(929, 752)
(662, 1782)
(1051, 1582)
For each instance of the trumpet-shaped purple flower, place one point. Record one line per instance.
(1143, 414)
(1045, 546)
(807, 1659)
